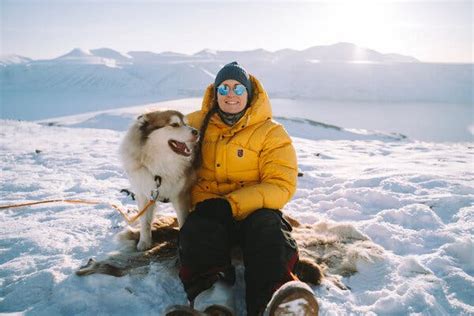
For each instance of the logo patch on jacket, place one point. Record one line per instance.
(240, 153)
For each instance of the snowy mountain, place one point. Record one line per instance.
(101, 78)
(84, 57)
(112, 54)
(13, 60)
(346, 52)
(413, 199)
(76, 53)
(340, 52)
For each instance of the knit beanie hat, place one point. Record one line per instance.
(236, 72)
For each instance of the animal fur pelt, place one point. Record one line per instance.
(327, 250)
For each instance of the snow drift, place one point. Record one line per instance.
(413, 199)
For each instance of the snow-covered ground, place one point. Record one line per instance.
(414, 199)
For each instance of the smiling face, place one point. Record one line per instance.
(232, 103)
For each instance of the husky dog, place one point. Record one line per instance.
(157, 154)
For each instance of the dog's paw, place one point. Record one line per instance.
(144, 245)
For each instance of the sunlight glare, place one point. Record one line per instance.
(364, 23)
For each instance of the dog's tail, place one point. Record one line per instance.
(309, 271)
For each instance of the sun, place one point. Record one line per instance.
(365, 23)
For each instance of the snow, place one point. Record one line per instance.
(80, 56)
(112, 54)
(412, 198)
(206, 53)
(12, 59)
(344, 74)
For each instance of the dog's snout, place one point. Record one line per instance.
(195, 132)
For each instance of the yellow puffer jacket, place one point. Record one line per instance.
(252, 164)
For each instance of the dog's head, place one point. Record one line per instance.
(168, 128)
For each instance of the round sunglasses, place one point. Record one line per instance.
(224, 89)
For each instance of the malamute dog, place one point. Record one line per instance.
(157, 154)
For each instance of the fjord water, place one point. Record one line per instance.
(436, 122)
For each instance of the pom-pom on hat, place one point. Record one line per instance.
(236, 72)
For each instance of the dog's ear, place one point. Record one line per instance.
(142, 121)
(143, 126)
(141, 118)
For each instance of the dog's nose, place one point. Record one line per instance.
(195, 132)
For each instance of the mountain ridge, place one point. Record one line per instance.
(103, 78)
(259, 52)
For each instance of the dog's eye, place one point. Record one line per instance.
(175, 125)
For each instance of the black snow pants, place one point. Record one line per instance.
(205, 242)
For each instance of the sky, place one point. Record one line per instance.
(432, 31)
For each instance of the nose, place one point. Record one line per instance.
(232, 93)
(194, 132)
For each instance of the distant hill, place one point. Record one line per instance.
(120, 120)
(13, 59)
(103, 78)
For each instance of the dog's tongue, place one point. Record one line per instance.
(180, 148)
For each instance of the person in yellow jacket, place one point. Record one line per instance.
(247, 172)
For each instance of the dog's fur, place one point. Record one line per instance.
(326, 249)
(157, 154)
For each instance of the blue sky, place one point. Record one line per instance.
(432, 31)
